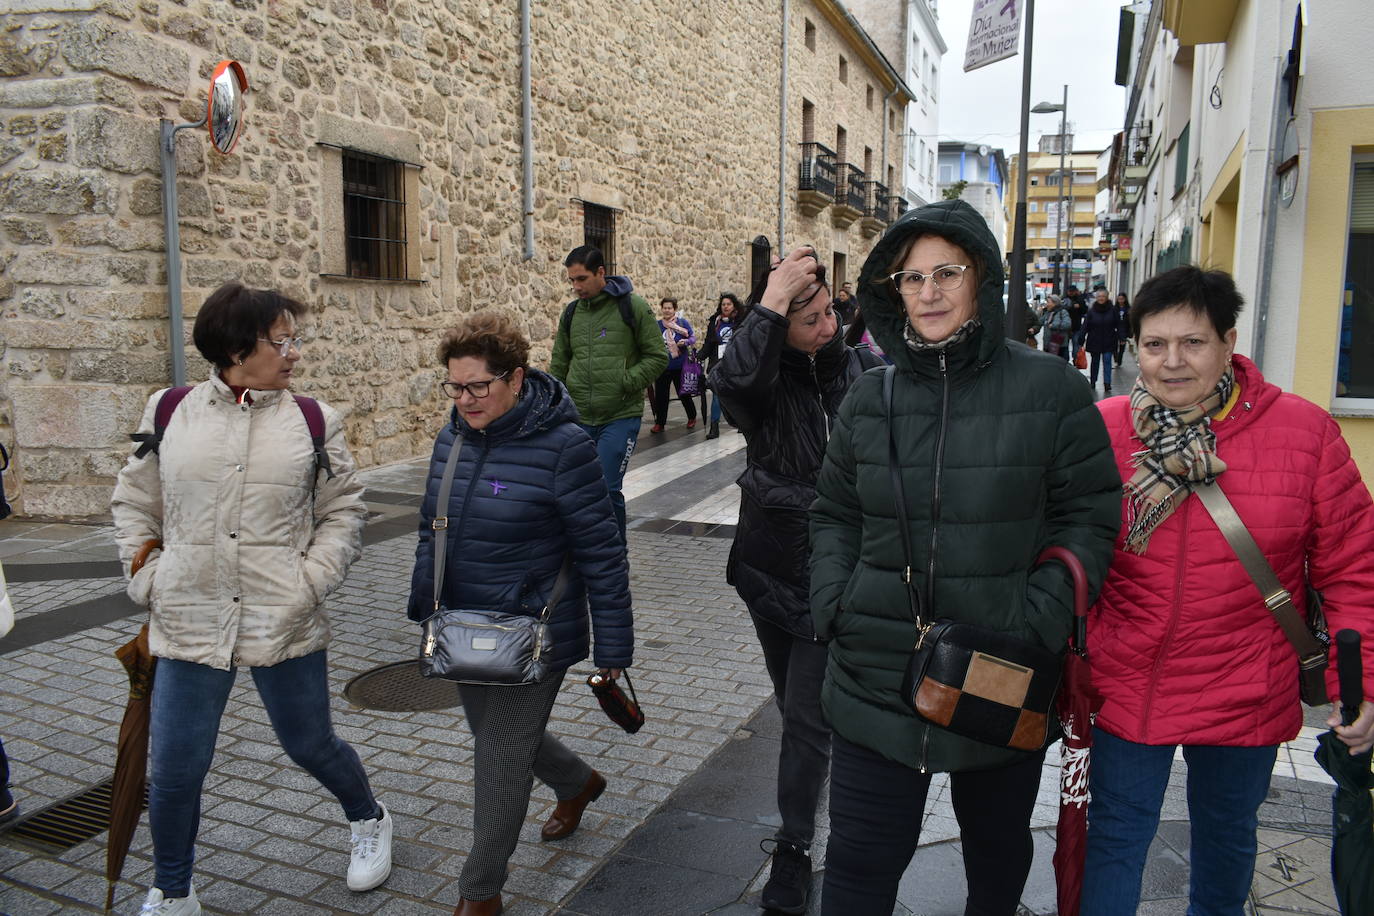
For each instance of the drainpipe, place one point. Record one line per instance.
(1271, 215)
(887, 98)
(782, 137)
(527, 128)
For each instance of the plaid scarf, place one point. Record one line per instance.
(1180, 449)
(917, 342)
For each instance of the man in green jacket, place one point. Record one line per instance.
(607, 351)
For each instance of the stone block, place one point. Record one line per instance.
(21, 231)
(38, 334)
(39, 191)
(41, 302)
(66, 501)
(117, 304)
(95, 45)
(82, 90)
(145, 198)
(211, 272)
(116, 141)
(53, 148)
(190, 28)
(60, 268)
(121, 368)
(67, 416)
(120, 234)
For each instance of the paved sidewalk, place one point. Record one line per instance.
(690, 796)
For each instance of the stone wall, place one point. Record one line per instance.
(668, 115)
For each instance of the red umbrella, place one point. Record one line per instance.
(131, 753)
(1077, 704)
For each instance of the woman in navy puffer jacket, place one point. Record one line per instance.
(526, 491)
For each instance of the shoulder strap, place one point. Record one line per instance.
(899, 494)
(565, 323)
(1276, 598)
(314, 421)
(627, 310)
(166, 406)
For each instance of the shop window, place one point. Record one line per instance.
(1355, 351)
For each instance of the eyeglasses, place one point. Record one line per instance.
(476, 389)
(285, 344)
(947, 278)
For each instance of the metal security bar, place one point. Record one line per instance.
(374, 216)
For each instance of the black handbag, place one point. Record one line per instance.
(475, 646)
(970, 680)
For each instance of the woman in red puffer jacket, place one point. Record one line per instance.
(1183, 648)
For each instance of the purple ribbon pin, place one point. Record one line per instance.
(497, 486)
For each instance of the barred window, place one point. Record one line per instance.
(598, 229)
(374, 216)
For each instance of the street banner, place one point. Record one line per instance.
(994, 33)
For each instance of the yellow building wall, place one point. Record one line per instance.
(1337, 136)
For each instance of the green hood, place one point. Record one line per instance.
(882, 308)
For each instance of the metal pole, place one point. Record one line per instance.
(176, 333)
(1016, 288)
(527, 129)
(782, 140)
(1059, 224)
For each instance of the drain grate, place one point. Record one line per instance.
(399, 687)
(63, 825)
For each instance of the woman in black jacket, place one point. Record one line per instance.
(1101, 333)
(782, 379)
(1000, 453)
(527, 492)
(719, 329)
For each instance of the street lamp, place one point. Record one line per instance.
(1063, 109)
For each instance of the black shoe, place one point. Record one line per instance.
(789, 881)
(714, 431)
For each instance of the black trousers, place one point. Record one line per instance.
(673, 376)
(797, 668)
(876, 807)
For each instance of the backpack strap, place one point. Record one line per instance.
(627, 310)
(166, 406)
(565, 323)
(314, 420)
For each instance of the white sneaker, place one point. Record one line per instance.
(157, 905)
(370, 863)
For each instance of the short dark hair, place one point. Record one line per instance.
(1206, 292)
(589, 256)
(1074, 287)
(733, 299)
(667, 299)
(233, 317)
(492, 337)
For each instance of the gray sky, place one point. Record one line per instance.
(1075, 43)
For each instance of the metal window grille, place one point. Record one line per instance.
(374, 216)
(598, 229)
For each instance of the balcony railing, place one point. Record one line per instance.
(817, 169)
(850, 189)
(875, 197)
(892, 206)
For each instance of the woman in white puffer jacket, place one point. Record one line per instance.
(256, 530)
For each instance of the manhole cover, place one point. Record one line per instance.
(399, 687)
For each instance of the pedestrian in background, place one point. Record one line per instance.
(1000, 454)
(256, 531)
(719, 330)
(607, 351)
(1123, 311)
(679, 338)
(1077, 307)
(527, 496)
(782, 379)
(1100, 335)
(1184, 650)
(1058, 327)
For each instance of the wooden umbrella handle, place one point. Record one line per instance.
(142, 556)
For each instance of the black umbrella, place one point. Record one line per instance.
(1352, 851)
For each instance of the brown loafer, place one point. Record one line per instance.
(489, 907)
(567, 814)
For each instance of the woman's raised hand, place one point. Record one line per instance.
(790, 278)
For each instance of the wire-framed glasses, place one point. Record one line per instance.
(285, 344)
(947, 278)
(476, 389)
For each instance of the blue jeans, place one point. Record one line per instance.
(1226, 786)
(188, 701)
(715, 407)
(1105, 361)
(615, 443)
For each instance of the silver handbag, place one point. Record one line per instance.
(480, 646)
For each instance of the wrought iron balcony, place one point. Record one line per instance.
(815, 179)
(850, 190)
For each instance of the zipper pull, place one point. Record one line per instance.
(428, 650)
(943, 367)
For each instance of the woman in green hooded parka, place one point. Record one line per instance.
(1001, 454)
